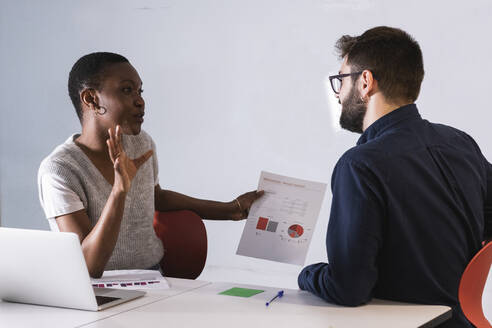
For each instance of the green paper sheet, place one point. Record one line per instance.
(241, 292)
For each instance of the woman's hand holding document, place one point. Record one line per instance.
(280, 224)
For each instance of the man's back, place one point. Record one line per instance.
(436, 186)
(407, 214)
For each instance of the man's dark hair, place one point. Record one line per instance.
(393, 57)
(87, 72)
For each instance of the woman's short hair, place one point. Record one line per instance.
(393, 57)
(88, 72)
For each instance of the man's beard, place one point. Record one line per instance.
(353, 112)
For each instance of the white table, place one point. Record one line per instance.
(14, 315)
(197, 304)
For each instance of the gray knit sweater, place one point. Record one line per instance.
(68, 181)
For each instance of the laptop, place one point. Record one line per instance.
(48, 268)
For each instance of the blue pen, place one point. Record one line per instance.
(279, 295)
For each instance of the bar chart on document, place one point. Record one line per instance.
(280, 224)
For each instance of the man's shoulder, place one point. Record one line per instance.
(447, 129)
(391, 147)
(373, 154)
(360, 156)
(369, 151)
(451, 137)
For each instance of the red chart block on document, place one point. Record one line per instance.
(262, 223)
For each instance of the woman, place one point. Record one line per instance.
(102, 184)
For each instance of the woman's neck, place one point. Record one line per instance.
(93, 139)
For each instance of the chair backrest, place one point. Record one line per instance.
(472, 285)
(184, 238)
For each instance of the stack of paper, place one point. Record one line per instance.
(131, 279)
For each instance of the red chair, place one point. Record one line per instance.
(184, 238)
(472, 284)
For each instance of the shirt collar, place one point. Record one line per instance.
(404, 113)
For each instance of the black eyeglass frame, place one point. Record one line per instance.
(339, 77)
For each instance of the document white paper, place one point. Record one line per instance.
(280, 224)
(131, 279)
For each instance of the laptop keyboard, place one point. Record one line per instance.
(105, 299)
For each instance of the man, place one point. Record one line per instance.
(412, 202)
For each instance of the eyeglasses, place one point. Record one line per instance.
(336, 80)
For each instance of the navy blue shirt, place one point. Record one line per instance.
(412, 203)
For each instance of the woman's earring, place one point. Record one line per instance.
(100, 110)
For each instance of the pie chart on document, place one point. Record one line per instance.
(295, 231)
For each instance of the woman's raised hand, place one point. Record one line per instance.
(125, 168)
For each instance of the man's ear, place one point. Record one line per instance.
(368, 84)
(88, 98)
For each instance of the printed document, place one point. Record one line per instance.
(131, 279)
(280, 224)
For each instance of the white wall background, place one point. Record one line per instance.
(232, 87)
